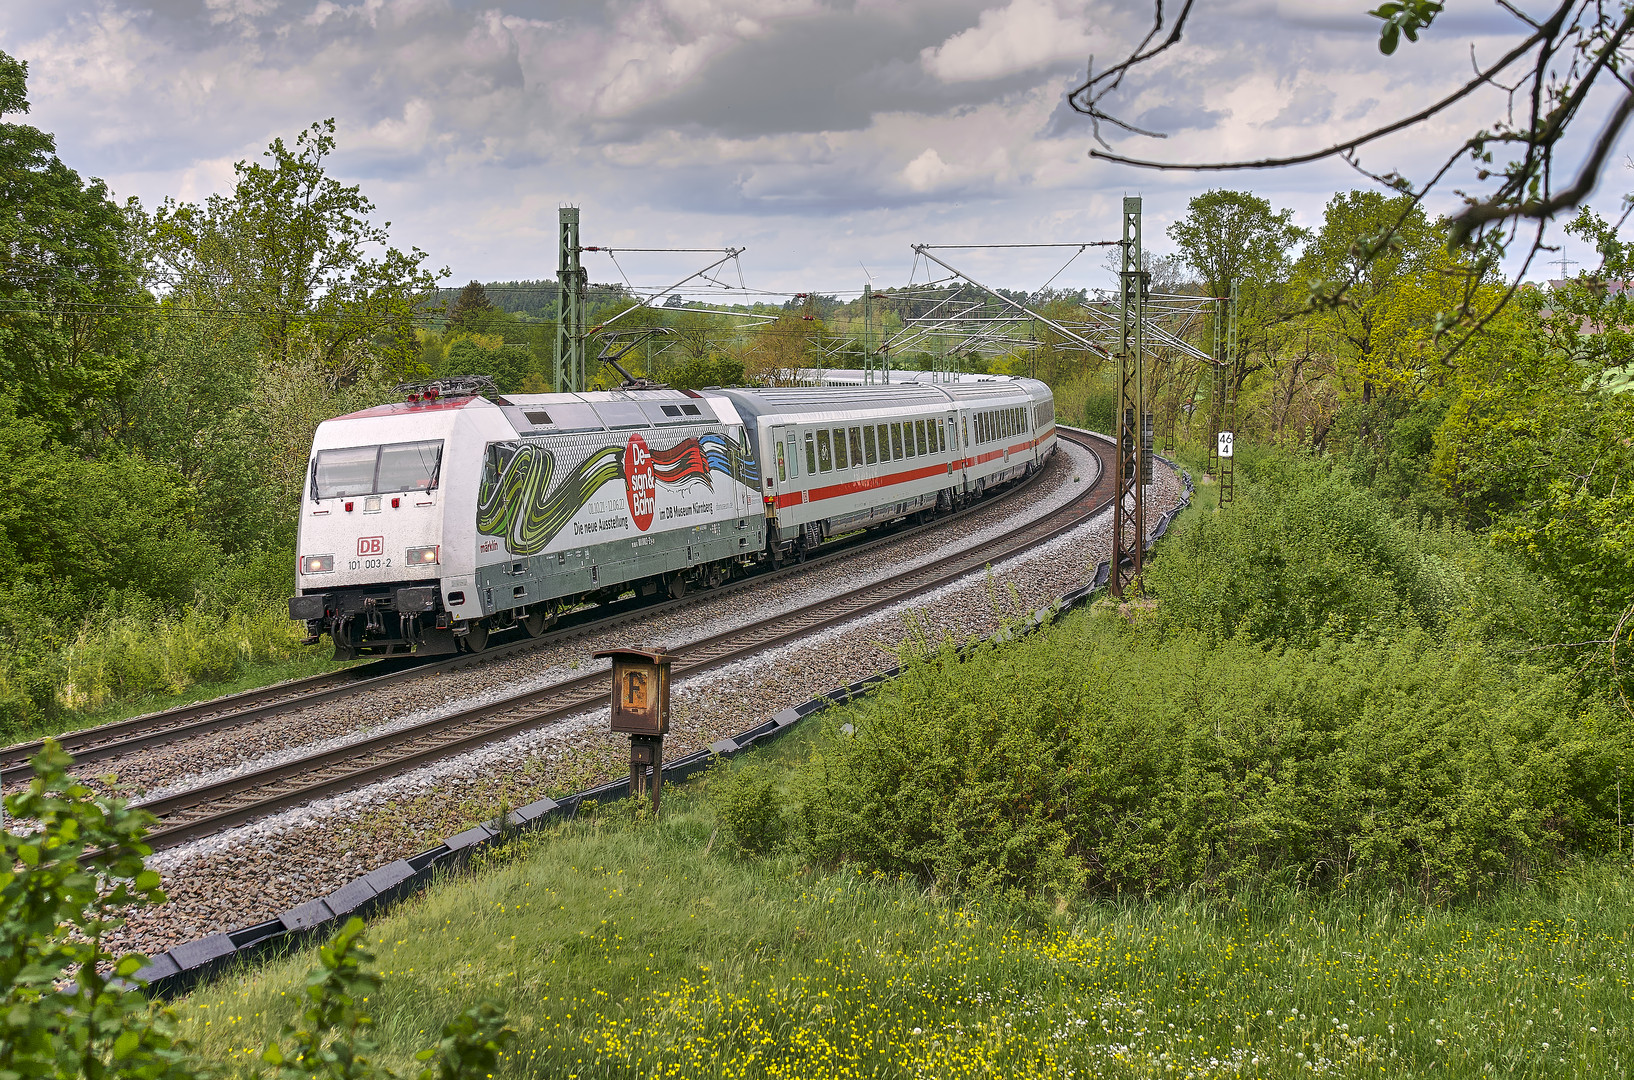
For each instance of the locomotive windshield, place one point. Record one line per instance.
(374, 470)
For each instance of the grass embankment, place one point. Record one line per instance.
(625, 949)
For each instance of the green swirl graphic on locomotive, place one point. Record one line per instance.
(516, 501)
(514, 504)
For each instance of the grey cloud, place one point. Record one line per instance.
(832, 72)
(1168, 119)
(1311, 106)
(1360, 109)
(1065, 122)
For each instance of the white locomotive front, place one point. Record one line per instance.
(437, 520)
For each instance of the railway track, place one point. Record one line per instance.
(213, 807)
(153, 730)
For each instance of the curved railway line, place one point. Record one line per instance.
(153, 730)
(210, 808)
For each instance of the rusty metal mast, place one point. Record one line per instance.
(1227, 476)
(1131, 463)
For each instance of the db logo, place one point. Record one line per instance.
(370, 545)
(640, 487)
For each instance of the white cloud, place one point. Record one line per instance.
(818, 132)
(1021, 36)
(925, 171)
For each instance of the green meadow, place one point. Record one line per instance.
(621, 947)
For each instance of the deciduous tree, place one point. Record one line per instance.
(295, 251)
(70, 290)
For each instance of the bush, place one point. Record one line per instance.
(1304, 554)
(747, 803)
(1137, 759)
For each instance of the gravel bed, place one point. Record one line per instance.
(249, 874)
(220, 755)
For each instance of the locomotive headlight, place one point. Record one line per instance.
(421, 556)
(317, 564)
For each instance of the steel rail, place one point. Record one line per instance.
(151, 730)
(210, 808)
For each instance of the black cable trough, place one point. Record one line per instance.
(187, 721)
(181, 968)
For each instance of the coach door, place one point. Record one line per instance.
(962, 440)
(779, 467)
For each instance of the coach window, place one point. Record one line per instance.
(856, 446)
(825, 452)
(907, 438)
(896, 442)
(841, 461)
(794, 459)
(919, 435)
(782, 471)
(811, 455)
(868, 448)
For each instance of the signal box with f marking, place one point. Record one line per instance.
(640, 691)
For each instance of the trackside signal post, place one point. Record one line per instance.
(640, 709)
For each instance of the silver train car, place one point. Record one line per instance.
(432, 523)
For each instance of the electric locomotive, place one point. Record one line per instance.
(431, 523)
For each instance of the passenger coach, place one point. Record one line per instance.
(842, 458)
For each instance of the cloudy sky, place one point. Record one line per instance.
(824, 136)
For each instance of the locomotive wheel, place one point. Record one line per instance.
(677, 587)
(477, 639)
(536, 622)
(344, 653)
